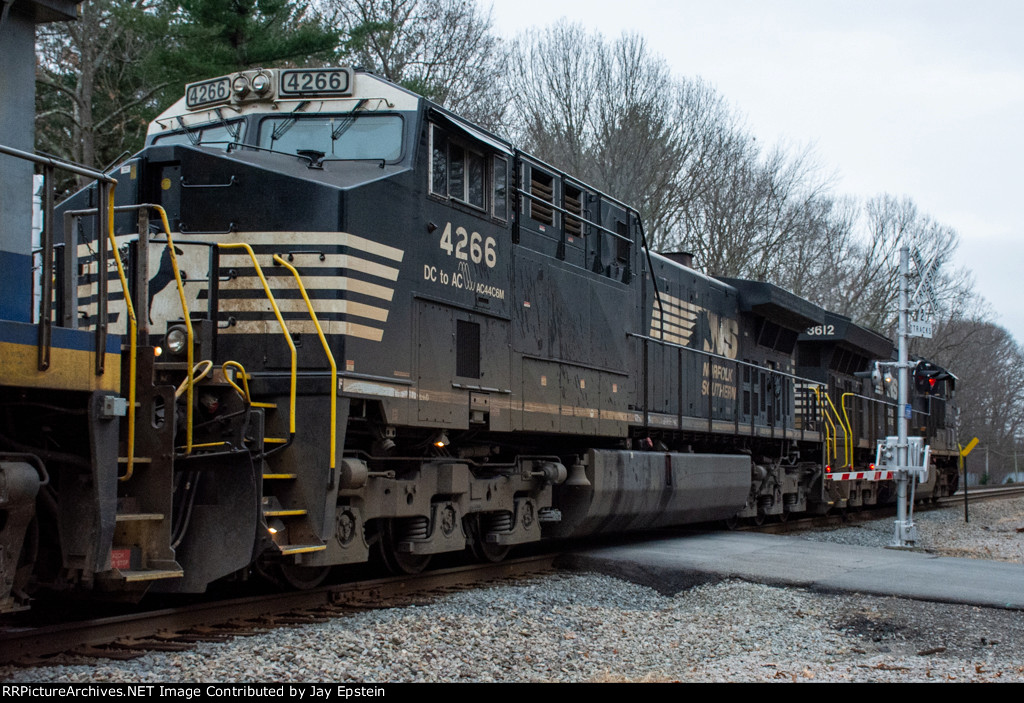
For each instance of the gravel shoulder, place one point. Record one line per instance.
(587, 628)
(991, 533)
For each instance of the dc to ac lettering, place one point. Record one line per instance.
(462, 281)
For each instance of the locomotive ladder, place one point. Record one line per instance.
(284, 514)
(140, 547)
(151, 533)
(870, 403)
(830, 428)
(833, 420)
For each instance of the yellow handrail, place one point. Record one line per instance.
(206, 365)
(849, 425)
(280, 320)
(830, 439)
(846, 456)
(188, 326)
(327, 350)
(133, 337)
(133, 330)
(242, 391)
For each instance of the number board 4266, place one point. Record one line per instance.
(316, 81)
(217, 90)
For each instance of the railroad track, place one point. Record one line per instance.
(875, 512)
(175, 629)
(1007, 491)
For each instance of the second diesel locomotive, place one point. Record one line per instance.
(328, 318)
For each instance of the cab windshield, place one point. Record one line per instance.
(221, 134)
(352, 137)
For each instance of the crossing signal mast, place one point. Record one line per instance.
(909, 458)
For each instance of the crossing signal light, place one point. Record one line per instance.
(927, 377)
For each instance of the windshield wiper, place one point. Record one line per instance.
(232, 128)
(282, 128)
(194, 135)
(346, 122)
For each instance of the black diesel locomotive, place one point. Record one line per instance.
(336, 320)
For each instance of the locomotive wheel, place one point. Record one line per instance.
(303, 578)
(291, 576)
(783, 516)
(397, 562)
(759, 518)
(731, 523)
(482, 550)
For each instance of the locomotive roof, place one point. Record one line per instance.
(839, 328)
(776, 304)
(664, 260)
(234, 95)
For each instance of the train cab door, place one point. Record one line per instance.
(462, 367)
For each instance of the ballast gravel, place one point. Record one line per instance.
(588, 628)
(991, 531)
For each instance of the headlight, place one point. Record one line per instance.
(261, 83)
(176, 339)
(240, 85)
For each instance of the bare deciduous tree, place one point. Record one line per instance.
(990, 389)
(637, 142)
(824, 237)
(89, 91)
(611, 113)
(553, 79)
(749, 210)
(867, 280)
(101, 79)
(603, 111)
(443, 49)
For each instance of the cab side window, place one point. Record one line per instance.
(457, 171)
(438, 162)
(499, 185)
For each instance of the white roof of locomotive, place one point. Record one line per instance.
(378, 93)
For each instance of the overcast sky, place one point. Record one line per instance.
(918, 98)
